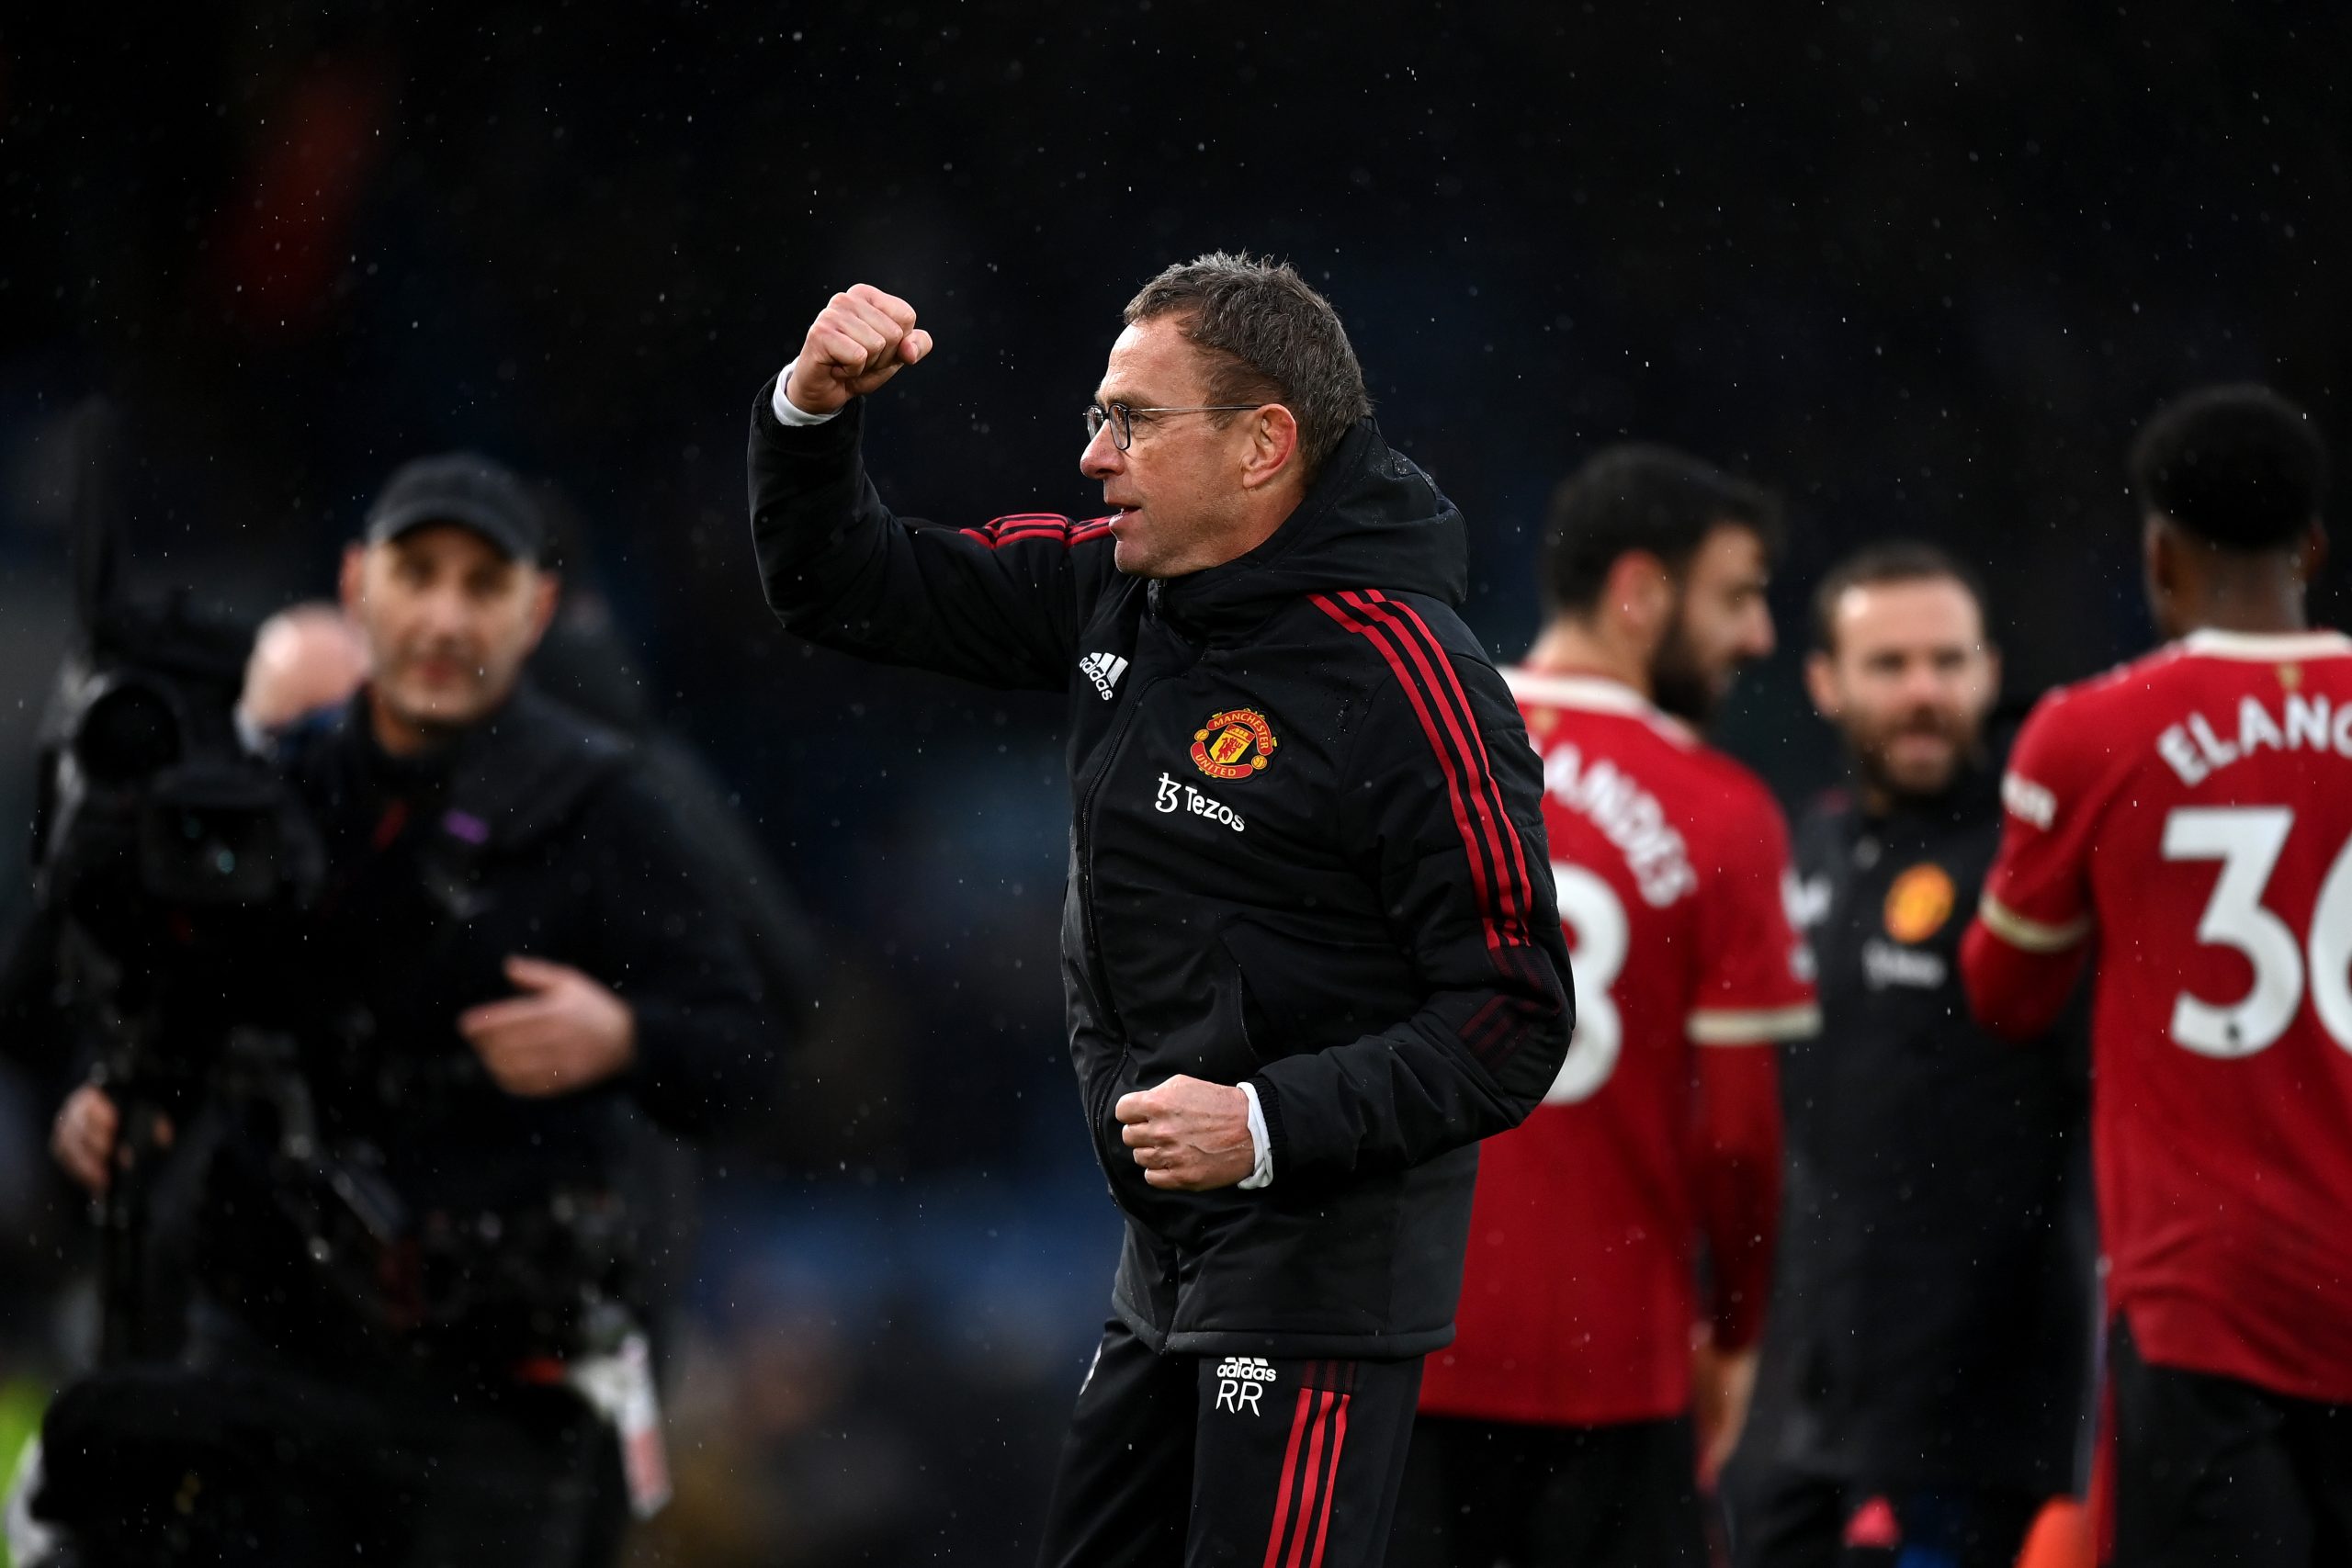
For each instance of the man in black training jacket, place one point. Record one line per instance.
(1308, 947)
(1933, 1312)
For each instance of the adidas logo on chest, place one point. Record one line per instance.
(1103, 670)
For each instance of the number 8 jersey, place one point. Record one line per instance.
(2187, 820)
(1672, 866)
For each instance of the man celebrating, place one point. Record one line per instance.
(2184, 820)
(1559, 1428)
(1934, 1301)
(1309, 947)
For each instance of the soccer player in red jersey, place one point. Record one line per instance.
(2185, 823)
(1558, 1428)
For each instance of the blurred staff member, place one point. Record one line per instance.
(536, 959)
(1934, 1313)
(1309, 947)
(310, 656)
(2186, 822)
(1558, 1429)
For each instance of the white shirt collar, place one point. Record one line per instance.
(2266, 646)
(1594, 693)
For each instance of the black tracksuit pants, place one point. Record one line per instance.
(1229, 1462)
(2213, 1472)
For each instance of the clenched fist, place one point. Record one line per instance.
(1188, 1134)
(859, 341)
(566, 1031)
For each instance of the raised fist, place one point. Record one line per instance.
(859, 341)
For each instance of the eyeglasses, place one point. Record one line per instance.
(1121, 419)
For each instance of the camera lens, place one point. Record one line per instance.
(130, 733)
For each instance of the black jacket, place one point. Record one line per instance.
(537, 833)
(1305, 852)
(1935, 1265)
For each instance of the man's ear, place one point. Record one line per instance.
(1273, 446)
(1638, 595)
(1821, 684)
(547, 593)
(2312, 554)
(351, 579)
(2159, 558)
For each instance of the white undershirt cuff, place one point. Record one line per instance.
(789, 415)
(1262, 1142)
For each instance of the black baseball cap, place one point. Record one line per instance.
(467, 489)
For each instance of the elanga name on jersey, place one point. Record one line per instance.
(2297, 721)
(2187, 820)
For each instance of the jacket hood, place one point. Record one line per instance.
(1372, 519)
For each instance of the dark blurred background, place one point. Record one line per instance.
(1921, 267)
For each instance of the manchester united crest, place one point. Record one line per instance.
(1919, 903)
(1234, 745)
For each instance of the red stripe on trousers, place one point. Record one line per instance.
(1289, 1473)
(1331, 1485)
(1427, 651)
(1445, 764)
(1314, 1479)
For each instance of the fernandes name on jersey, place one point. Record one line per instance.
(1671, 863)
(2189, 818)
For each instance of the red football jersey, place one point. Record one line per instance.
(2191, 815)
(1671, 863)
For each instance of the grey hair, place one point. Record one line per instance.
(1270, 338)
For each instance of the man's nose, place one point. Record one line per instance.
(1102, 458)
(1758, 642)
(443, 611)
(1923, 684)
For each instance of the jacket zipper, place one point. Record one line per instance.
(1110, 754)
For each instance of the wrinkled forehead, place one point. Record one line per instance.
(1154, 365)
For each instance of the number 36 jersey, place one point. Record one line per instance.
(1671, 867)
(2190, 816)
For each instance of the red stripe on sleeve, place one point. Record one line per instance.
(1388, 628)
(1024, 525)
(1430, 655)
(1447, 764)
(1477, 739)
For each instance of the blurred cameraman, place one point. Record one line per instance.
(514, 952)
